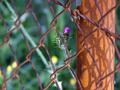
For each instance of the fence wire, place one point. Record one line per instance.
(70, 57)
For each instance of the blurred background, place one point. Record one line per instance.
(27, 35)
(15, 51)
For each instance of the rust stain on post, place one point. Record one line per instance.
(100, 46)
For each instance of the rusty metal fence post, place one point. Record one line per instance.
(97, 58)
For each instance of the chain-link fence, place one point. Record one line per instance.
(22, 25)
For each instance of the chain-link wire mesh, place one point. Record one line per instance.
(40, 47)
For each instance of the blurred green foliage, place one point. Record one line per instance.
(117, 75)
(26, 79)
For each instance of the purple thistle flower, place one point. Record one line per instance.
(67, 30)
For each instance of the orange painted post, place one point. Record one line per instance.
(97, 45)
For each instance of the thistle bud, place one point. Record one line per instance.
(67, 30)
(66, 33)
